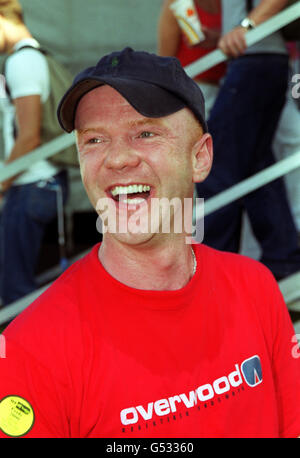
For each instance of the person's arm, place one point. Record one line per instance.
(212, 36)
(233, 43)
(28, 119)
(168, 31)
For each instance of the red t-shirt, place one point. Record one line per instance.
(94, 358)
(188, 54)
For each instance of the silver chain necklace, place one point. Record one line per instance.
(195, 262)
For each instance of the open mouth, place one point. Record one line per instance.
(133, 194)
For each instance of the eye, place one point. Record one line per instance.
(95, 140)
(146, 134)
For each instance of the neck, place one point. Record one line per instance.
(168, 266)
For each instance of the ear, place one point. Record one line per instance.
(202, 158)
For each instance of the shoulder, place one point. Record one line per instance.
(25, 67)
(27, 73)
(54, 318)
(26, 56)
(235, 264)
(247, 287)
(239, 275)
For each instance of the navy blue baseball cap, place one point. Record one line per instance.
(155, 86)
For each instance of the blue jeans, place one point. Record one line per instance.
(26, 212)
(243, 122)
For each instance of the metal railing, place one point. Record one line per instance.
(42, 152)
(248, 185)
(237, 191)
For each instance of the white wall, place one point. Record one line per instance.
(79, 32)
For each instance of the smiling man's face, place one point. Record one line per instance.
(129, 159)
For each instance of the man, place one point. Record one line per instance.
(29, 198)
(252, 96)
(149, 336)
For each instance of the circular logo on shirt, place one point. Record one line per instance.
(16, 416)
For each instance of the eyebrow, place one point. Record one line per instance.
(147, 121)
(88, 129)
(131, 124)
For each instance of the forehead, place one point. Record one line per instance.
(105, 104)
(99, 102)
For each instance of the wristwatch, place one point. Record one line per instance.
(248, 24)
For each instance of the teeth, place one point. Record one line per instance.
(133, 201)
(131, 189)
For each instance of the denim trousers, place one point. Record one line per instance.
(242, 123)
(27, 211)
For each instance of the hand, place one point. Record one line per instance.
(233, 43)
(5, 185)
(212, 37)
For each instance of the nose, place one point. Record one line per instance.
(120, 156)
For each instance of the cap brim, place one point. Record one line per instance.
(148, 99)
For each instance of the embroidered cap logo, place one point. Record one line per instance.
(114, 61)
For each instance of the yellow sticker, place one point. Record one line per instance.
(16, 416)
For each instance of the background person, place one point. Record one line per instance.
(252, 96)
(29, 198)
